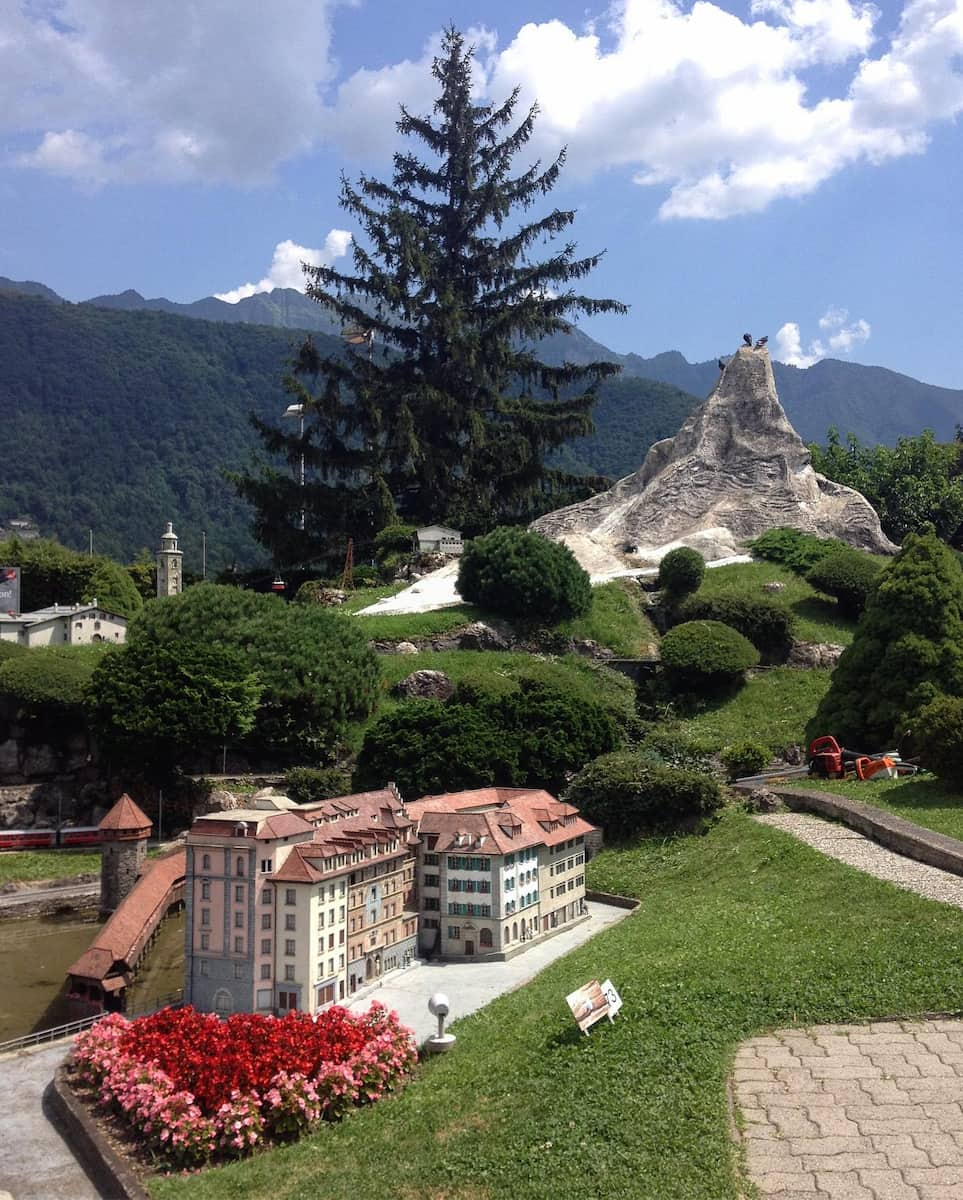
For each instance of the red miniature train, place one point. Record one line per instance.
(50, 839)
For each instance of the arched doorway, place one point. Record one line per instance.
(485, 939)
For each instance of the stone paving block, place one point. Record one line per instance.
(834, 1043)
(850, 1091)
(903, 1125)
(741, 1074)
(943, 1176)
(761, 1087)
(885, 1112)
(888, 1185)
(855, 1069)
(938, 1192)
(832, 1121)
(798, 1080)
(865, 1037)
(942, 1150)
(895, 1065)
(884, 1091)
(820, 1163)
(950, 1116)
(829, 1145)
(934, 1091)
(793, 1124)
(843, 1187)
(784, 1181)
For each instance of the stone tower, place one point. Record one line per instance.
(169, 573)
(124, 831)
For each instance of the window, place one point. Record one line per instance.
(290, 946)
(205, 890)
(239, 866)
(289, 922)
(289, 973)
(266, 896)
(341, 960)
(265, 945)
(239, 945)
(454, 932)
(204, 967)
(330, 966)
(331, 915)
(340, 937)
(205, 916)
(266, 866)
(239, 970)
(430, 860)
(331, 891)
(431, 903)
(341, 913)
(432, 881)
(264, 997)
(205, 941)
(238, 919)
(239, 893)
(290, 896)
(205, 862)
(265, 920)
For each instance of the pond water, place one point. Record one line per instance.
(35, 953)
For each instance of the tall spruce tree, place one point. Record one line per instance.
(441, 410)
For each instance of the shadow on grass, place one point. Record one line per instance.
(816, 611)
(925, 793)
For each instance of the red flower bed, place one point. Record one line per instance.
(213, 1058)
(196, 1088)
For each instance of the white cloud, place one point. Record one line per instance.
(839, 336)
(285, 270)
(118, 90)
(727, 114)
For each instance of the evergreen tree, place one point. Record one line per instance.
(441, 409)
(907, 649)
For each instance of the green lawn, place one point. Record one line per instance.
(741, 931)
(772, 708)
(405, 626)
(23, 866)
(921, 799)
(818, 618)
(616, 620)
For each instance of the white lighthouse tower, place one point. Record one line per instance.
(169, 565)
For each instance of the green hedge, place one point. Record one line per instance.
(794, 549)
(681, 571)
(768, 624)
(705, 654)
(517, 573)
(848, 575)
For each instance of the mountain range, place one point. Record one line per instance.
(123, 412)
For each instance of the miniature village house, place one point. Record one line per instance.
(300, 906)
(438, 539)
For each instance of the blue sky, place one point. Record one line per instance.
(789, 167)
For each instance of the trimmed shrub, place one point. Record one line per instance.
(938, 738)
(676, 748)
(698, 655)
(628, 795)
(794, 549)
(681, 572)
(308, 785)
(395, 539)
(745, 758)
(366, 577)
(12, 650)
(768, 624)
(849, 575)
(906, 651)
(51, 677)
(517, 573)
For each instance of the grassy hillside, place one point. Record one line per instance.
(741, 931)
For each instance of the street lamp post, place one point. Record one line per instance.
(297, 410)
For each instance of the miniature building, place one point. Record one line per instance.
(124, 831)
(64, 625)
(438, 539)
(498, 869)
(170, 578)
(300, 906)
(297, 906)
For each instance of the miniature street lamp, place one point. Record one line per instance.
(439, 1042)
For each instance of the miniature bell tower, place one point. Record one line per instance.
(169, 564)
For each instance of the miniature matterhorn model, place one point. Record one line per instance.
(439, 1042)
(735, 469)
(169, 564)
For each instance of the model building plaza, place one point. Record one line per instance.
(297, 906)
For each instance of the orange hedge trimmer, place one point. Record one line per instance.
(828, 760)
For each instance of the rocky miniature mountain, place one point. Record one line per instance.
(735, 469)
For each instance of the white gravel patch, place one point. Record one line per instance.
(438, 589)
(848, 846)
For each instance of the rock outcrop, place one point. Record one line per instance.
(735, 469)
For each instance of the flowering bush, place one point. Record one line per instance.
(194, 1086)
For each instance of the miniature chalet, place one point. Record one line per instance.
(300, 906)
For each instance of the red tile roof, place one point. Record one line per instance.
(125, 817)
(496, 820)
(123, 936)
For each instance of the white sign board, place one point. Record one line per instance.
(592, 1002)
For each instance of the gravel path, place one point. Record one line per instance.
(856, 1112)
(848, 846)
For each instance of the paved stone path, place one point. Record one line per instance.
(845, 844)
(856, 1112)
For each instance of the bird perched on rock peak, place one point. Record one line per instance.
(762, 341)
(747, 338)
(722, 364)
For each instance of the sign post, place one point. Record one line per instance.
(592, 1002)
